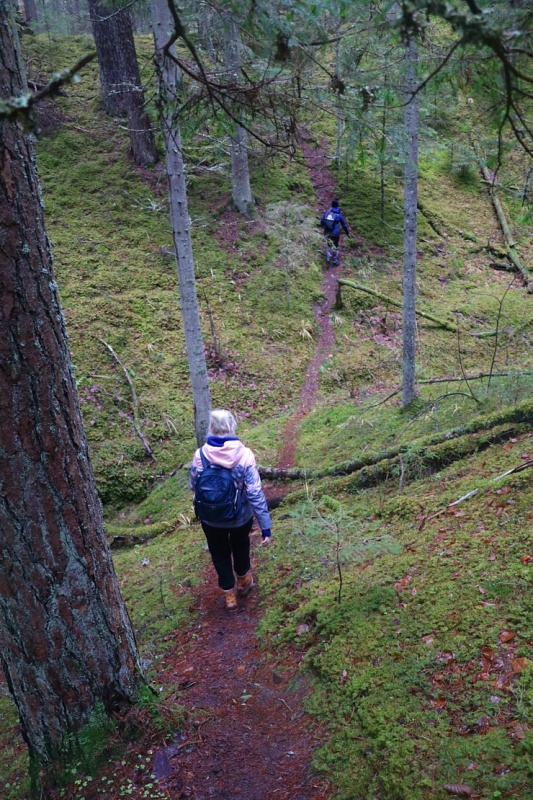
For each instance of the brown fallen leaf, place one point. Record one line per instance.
(427, 639)
(519, 664)
(458, 789)
(526, 559)
(507, 636)
(403, 582)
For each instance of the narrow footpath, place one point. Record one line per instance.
(246, 733)
(325, 189)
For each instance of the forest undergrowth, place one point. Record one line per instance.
(407, 604)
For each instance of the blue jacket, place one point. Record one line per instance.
(338, 219)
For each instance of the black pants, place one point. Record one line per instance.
(332, 239)
(226, 544)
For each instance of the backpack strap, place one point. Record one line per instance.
(205, 463)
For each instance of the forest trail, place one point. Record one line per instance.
(246, 733)
(324, 185)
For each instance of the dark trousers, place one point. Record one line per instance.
(225, 545)
(332, 239)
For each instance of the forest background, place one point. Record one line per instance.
(410, 610)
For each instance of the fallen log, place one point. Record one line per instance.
(521, 413)
(449, 326)
(510, 244)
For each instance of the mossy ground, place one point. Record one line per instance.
(422, 657)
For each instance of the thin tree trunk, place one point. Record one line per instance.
(338, 141)
(240, 171)
(120, 80)
(66, 643)
(410, 224)
(169, 88)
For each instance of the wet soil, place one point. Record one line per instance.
(247, 734)
(315, 156)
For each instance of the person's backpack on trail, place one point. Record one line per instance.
(216, 498)
(332, 221)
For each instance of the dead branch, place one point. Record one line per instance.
(510, 244)
(135, 402)
(449, 326)
(22, 107)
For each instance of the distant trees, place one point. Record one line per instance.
(120, 80)
(240, 171)
(67, 647)
(170, 88)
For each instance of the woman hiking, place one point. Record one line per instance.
(227, 494)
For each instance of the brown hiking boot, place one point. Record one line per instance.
(244, 583)
(230, 596)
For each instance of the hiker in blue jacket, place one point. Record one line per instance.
(228, 538)
(331, 222)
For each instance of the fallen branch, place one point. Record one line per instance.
(14, 108)
(135, 404)
(510, 244)
(519, 468)
(442, 510)
(449, 326)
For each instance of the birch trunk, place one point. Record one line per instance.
(240, 171)
(410, 224)
(67, 647)
(169, 89)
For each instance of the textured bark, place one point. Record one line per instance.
(66, 642)
(241, 191)
(120, 80)
(30, 10)
(169, 89)
(409, 234)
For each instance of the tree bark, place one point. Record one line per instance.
(240, 171)
(30, 10)
(67, 646)
(409, 235)
(120, 80)
(169, 89)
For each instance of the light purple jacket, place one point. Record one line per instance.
(230, 452)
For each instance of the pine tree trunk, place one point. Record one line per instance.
(240, 172)
(30, 11)
(169, 88)
(120, 80)
(66, 643)
(410, 223)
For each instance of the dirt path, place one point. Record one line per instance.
(324, 185)
(246, 733)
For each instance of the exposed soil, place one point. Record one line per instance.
(324, 185)
(248, 735)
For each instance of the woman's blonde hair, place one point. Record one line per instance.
(222, 423)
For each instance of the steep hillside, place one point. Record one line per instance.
(394, 604)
